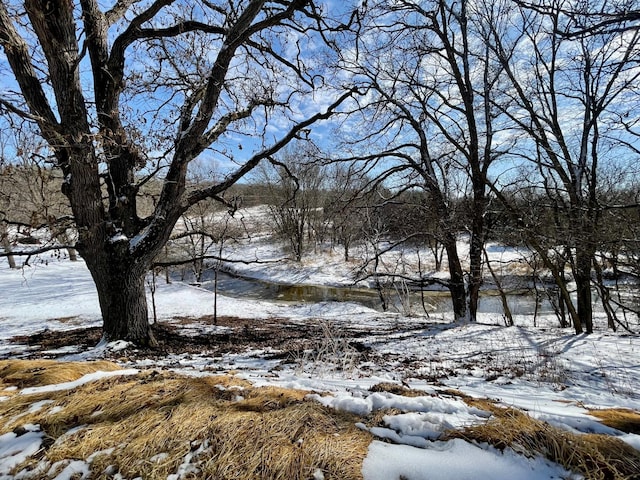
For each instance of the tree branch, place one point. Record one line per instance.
(199, 195)
(17, 52)
(174, 263)
(36, 251)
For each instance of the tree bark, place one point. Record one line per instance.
(123, 301)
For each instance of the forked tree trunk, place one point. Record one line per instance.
(565, 301)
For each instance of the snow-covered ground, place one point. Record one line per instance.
(551, 373)
(252, 251)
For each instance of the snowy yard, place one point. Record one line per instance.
(339, 353)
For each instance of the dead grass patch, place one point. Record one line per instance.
(619, 418)
(35, 373)
(596, 457)
(377, 417)
(156, 424)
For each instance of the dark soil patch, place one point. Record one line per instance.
(51, 340)
(284, 338)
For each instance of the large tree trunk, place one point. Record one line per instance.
(457, 287)
(123, 302)
(119, 276)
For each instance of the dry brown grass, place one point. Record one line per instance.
(619, 418)
(156, 423)
(34, 373)
(147, 425)
(596, 457)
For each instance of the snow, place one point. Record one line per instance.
(74, 470)
(16, 449)
(456, 459)
(548, 372)
(384, 400)
(138, 239)
(118, 237)
(186, 468)
(89, 377)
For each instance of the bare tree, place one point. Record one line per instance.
(138, 90)
(34, 211)
(5, 202)
(595, 17)
(573, 98)
(296, 187)
(431, 80)
(195, 236)
(346, 209)
(410, 220)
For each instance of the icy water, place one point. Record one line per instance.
(434, 301)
